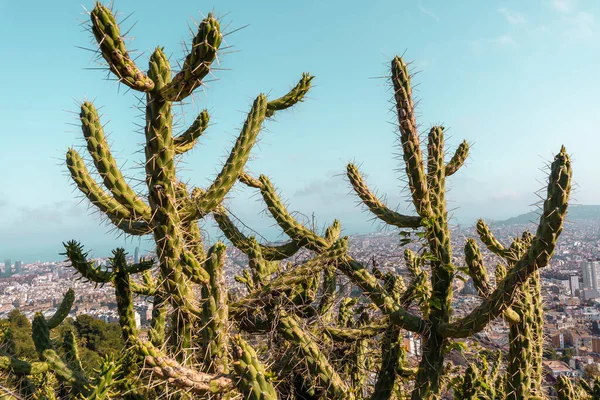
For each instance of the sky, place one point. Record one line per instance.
(516, 79)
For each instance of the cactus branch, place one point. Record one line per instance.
(112, 47)
(376, 206)
(292, 97)
(188, 139)
(113, 179)
(537, 256)
(197, 63)
(239, 240)
(458, 159)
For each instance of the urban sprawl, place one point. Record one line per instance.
(570, 287)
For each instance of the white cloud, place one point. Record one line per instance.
(428, 12)
(513, 17)
(564, 6)
(582, 25)
(505, 40)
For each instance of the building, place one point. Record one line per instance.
(7, 267)
(18, 267)
(557, 368)
(591, 273)
(574, 283)
(136, 255)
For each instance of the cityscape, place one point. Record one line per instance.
(570, 287)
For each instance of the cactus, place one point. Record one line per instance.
(564, 389)
(524, 370)
(67, 369)
(171, 211)
(426, 181)
(206, 341)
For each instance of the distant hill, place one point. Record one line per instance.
(576, 213)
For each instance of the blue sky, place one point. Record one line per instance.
(517, 79)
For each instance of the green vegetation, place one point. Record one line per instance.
(292, 334)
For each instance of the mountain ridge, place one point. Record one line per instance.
(576, 213)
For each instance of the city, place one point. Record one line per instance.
(570, 287)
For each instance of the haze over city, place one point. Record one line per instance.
(507, 82)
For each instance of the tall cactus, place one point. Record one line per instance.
(197, 341)
(171, 212)
(426, 181)
(525, 317)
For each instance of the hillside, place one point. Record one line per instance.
(576, 213)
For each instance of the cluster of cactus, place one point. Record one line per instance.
(60, 373)
(281, 338)
(525, 316)
(481, 381)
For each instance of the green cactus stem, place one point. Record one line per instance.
(318, 365)
(252, 377)
(537, 256)
(564, 389)
(376, 206)
(112, 47)
(215, 316)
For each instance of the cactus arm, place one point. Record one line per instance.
(333, 231)
(303, 236)
(105, 380)
(193, 269)
(398, 315)
(112, 47)
(239, 240)
(481, 282)
(234, 165)
(564, 389)
(188, 139)
(115, 211)
(248, 180)
(141, 267)
(215, 313)
(436, 178)
(193, 239)
(476, 268)
(43, 345)
(409, 136)
(376, 206)
(156, 333)
(292, 97)
(134, 227)
(87, 269)
(251, 373)
(113, 179)
(13, 364)
(142, 290)
(124, 296)
(490, 241)
(71, 352)
(458, 159)
(63, 310)
(391, 357)
(328, 293)
(318, 365)
(537, 256)
(180, 376)
(197, 63)
(147, 288)
(258, 265)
